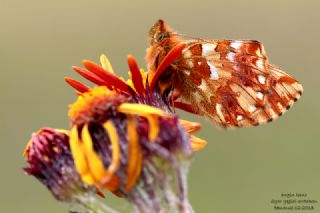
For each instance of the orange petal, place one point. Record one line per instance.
(197, 143)
(136, 76)
(134, 153)
(79, 157)
(185, 107)
(91, 77)
(154, 128)
(112, 184)
(94, 162)
(140, 109)
(110, 79)
(149, 112)
(190, 126)
(170, 57)
(113, 135)
(80, 87)
(100, 193)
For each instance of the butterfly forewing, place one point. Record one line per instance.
(232, 82)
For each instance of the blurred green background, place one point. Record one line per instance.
(239, 171)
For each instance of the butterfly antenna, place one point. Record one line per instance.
(186, 36)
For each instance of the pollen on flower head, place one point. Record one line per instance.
(95, 105)
(103, 125)
(137, 145)
(111, 139)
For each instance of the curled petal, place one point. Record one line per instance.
(145, 111)
(113, 135)
(154, 128)
(79, 155)
(134, 153)
(95, 164)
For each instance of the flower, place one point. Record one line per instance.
(47, 150)
(103, 110)
(50, 161)
(122, 130)
(137, 89)
(116, 145)
(125, 138)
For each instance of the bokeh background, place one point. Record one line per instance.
(239, 171)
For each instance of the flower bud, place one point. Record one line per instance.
(50, 161)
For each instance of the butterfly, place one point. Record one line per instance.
(231, 82)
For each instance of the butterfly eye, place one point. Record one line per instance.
(162, 37)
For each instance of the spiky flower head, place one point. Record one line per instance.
(135, 151)
(50, 161)
(125, 138)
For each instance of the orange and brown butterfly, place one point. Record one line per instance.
(229, 81)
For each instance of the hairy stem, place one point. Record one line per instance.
(92, 205)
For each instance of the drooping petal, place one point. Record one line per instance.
(79, 156)
(145, 111)
(94, 162)
(154, 128)
(113, 135)
(134, 153)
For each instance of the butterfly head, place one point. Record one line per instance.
(159, 32)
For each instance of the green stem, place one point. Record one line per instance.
(93, 205)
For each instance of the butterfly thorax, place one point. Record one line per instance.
(162, 39)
